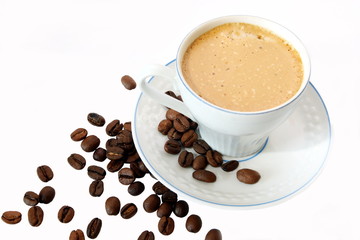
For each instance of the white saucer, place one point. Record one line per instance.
(292, 158)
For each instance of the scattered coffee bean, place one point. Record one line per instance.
(115, 165)
(201, 147)
(96, 172)
(188, 138)
(94, 228)
(135, 166)
(127, 126)
(146, 235)
(77, 161)
(96, 188)
(213, 234)
(159, 188)
(185, 159)
(230, 166)
(193, 223)
(66, 214)
(44, 173)
(79, 134)
(214, 158)
(128, 210)
(136, 188)
(128, 82)
(77, 235)
(171, 114)
(151, 203)
(174, 135)
(112, 206)
(35, 216)
(172, 146)
(165, 126)
(181, 208)
(181, 123)
(99, 154)
(114, 128)
(31, 198)
(96, 119)
(115, 153)
(126, 176)
(170, 197)
(166, 225)
(199, 162)
(204, 176)
(11, 217)
(90, 143)
(248, 176)
(125, 140)
(46, 195)
(165, 209)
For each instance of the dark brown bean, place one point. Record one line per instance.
(46, 195)
(126, 176)
(151, 203)
(115, 153)
(112, 206)
(204, 176)
(171, 94)
(127, 126)
(181, 208)
(77, 161)
(44, 173)
(165, 209)
(214, 158)
(199, 162)
(96, 172)
(165, 126)
(66, 214)
(188, 138)
(171, 114)
(170, 197)
(128, 82)
(90, 143)
(201, 147)
(114, 128)
(181, 123)
(146, 235)
(125, 140)
(166, 225)
(31, 198)
(94, 228)
(128, 210)
(96, 188)
(78, 134)
(136, 188)
(132, 158)
(193, 223)
(230, 166)
(174, 135)
(172, 146)
(96, 119)
(35, 216)
(248, 176)
(99, 154)
(11, 217)
(213, 234)
(137, 171)
(185, 159)
(115, 165)
(77, 235)
(159, 188)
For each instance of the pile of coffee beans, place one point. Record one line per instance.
(182, 135)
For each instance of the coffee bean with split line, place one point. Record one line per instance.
(66, 214)
(45, 173)
(188, 138)
(185, 159)
(11, 217)
(200, 146)
(94, 228)
(204, 176)
(166, 225)
(77, 235)
(31, 198)
(214, 158)
(77, 161)
(146, 235)
(126, 176)
(96, 172)
(164, 126)
(35, 216)
(181, 123)
(172, 146)
(230, 166)
(114, 128)
(90, 143)
(128, 211)
(96, 188)
(96, 119)
(78, 134)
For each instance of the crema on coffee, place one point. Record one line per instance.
(242, 67)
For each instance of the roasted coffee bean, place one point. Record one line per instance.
(96, 119)
(99, 154)
(171, 114)
(171, 94)
(110, 143)
(112, 206)
(214, 158)
(188, 138)
(146, 235)
(213, 234)
(115, 153)
(11, 217)
(66, 214)
(165, 126)
(185, 159)
(165, 209)
(137, 171)
(79, 134)
(248, 176)
(96, 188)
(115, 165)
(35, 216)
(128, 82)
(159, 188)
(166, 225)
(136, 188)
(96, 172)
(128, 210)
(199, 162)
(127, 126)
(125, 140)
(230, 166)
(181, 123)
(204, 176)
(94, 228)
(170, 197)
(201, 147)
(77, 235)
(173, 134)
(114, 128)
(44, 173)
(31, 198)
(126, 176)
(193, 125)
(142, 166)
(172, 146)
(77, 161)
(151, 203)
(46, 195)
(90, 143)
(193, 223)
(181, 208)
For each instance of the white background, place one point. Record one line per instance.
(60, 60)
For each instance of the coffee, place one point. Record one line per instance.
(242, 67)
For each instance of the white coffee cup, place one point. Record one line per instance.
(232, 133)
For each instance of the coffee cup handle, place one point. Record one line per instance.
(161, 97)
